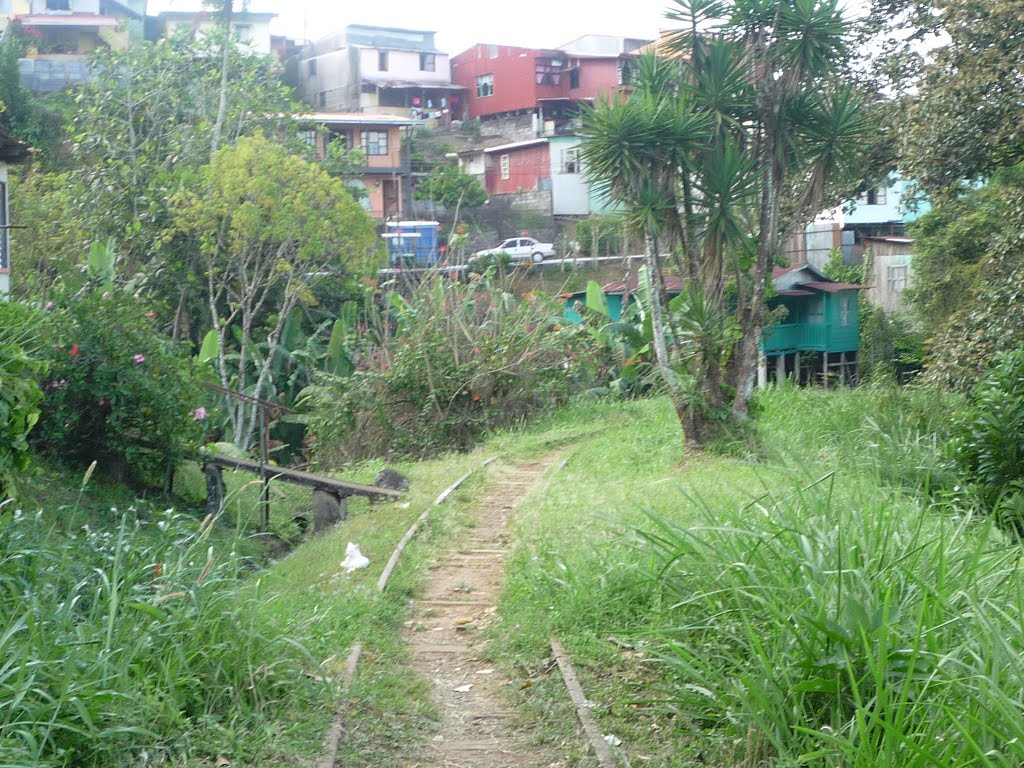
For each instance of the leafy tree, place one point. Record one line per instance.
(267, 226)
(452, 187)
(142, 129)
(963, 121)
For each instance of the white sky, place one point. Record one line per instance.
(459, 23)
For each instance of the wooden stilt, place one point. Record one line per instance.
(780, 369)
(842, 369)
(762, 372)
(796, 367)
(824, 369)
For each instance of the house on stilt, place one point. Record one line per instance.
(817, 339)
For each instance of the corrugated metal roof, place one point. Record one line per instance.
(355, 118)
(672, 284)
(831, 287)
(516, 145)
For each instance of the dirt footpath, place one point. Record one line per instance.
(459, 597)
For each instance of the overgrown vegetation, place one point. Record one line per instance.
(837, 601)
(444, 365)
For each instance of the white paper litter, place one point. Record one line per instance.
(354, 559)
(612, 739)
(463, 688)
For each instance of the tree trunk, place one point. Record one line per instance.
(222, 109)
(748, 349)
(661, 359)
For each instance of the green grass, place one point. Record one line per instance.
(134, 630)
(819, 600)
(815, 605)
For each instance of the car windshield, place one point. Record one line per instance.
(509, 244)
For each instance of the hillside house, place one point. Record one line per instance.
(549, 85)
(251, 30)
(65, 32)
(378, 70)
(522, 169)
(383, 183)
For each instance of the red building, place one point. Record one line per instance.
(504, 80)
(521, 167)
(501, 79)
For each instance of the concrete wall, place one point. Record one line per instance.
(53, 73)
(570, 192)
(891, 273)
(252, 34)
(403, 65)
(77, 6)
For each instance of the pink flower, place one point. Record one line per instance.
(139, 359)
(199, 414)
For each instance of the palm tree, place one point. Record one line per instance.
(720, 153)
(639, 148)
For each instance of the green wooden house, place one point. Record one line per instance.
(818, 340)
(819, 337)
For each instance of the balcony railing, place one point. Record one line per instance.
(792, 336)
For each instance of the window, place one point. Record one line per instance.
(484, 86)
(505, 168)
(816, 311)
(308, 137)
(574, 78)
(382, 61)
(492, 51)
(873, 197)
(323, 98)
(571, 160)
(243, 33)
(547, 73)
(896, 279)
(626, 72)
(844, 310)
(428, 62)
(311, 66)
(375, 142)
(58, 5)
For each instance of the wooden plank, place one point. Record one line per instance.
(328, 484)
(579, 701)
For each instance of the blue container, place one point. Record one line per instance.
(412, 243)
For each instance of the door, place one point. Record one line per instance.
(391, 199)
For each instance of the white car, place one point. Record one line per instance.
(519, 248)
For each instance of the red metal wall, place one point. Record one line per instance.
(526, 167)
(598, 77)
(515, 79)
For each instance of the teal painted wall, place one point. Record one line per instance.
(825, 322)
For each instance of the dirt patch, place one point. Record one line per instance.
(459, 597)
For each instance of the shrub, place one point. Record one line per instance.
(20, 395)
(118, 391)
(988, 445)
(442, 367)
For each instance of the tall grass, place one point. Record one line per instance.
(858, 632)
(115, 644)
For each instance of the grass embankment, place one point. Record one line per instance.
(130, 634)
(819, 604)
